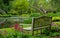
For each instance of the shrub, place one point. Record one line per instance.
(28, 21)
(35, 15)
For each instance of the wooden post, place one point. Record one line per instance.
(41, 30)
(32, 26)
(51, 23)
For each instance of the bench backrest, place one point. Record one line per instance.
(40, 23)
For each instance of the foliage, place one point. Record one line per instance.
(19, 7)
(52, 33)
(8, 23)
(55, 4)
(15, 33)
(5, 25)
(28, 21)
(55, 18)
(12, 33)
(35, 15)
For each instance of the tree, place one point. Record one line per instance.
(41, 5)
(21, 6)
(55, 4)
(4, 6)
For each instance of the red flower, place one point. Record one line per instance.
(16, 26)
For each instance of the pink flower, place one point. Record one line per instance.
(53, 24)
(20, 29)
(16, 26)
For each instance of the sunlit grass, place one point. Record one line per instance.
(55, 18)
(8, 29)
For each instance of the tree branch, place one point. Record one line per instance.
(41, 9)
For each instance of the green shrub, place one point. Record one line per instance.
(55, 34)
(46, 32)
(25, 15)
(28, 21)
(7, 24)
(14, 34)
(35, 15)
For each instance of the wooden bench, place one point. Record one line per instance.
(40, 23)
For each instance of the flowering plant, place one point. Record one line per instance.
(17, 27)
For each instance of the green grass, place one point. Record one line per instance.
(56, 18)
(8, 29)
